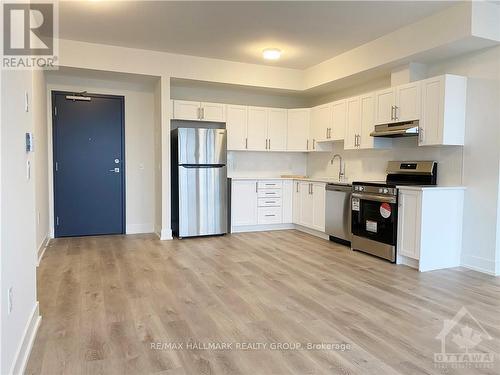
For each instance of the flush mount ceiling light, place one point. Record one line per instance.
(271, 54)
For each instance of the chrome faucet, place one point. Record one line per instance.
(341, 166)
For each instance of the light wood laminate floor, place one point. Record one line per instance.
(105, 300)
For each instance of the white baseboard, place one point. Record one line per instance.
(261, 228)
(41, 249)
(267, 227)
(479, 264)
(24, 350)
(166, 234)
(312, 232)
(139, 228)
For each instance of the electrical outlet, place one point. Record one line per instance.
(10, 300)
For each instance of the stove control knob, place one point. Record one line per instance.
(386, 191)
(380, 190)
(361, 188)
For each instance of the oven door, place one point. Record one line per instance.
(374, 217)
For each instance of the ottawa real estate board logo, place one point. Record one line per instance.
(29, 35)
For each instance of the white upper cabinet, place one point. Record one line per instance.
(353, 123)
(367, 116)
(213, 112)
(443, 110)
(258, 118)
(408, 102)
(236, 125)
(298, 130)
(398, 104)
(277, 129)
(199, 111)
(321, 123)
(339, 118)
(385, 100)
(186, 110)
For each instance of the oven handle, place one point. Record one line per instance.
(374, 197)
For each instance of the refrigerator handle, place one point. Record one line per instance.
(197, 166)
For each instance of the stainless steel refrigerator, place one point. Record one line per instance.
(199, 182)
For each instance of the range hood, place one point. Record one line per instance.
(398, 129)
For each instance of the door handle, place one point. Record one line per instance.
(115, 170)
(396, 112)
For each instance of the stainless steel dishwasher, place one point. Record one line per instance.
(338, 212)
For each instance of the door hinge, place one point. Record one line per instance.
(57, 220)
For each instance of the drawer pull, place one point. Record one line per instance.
(270, 201)
(269, 215)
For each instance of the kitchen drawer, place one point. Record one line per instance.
(269, 193)
(269, 202)
(269, 184)
(269, 215)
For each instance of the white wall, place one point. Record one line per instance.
(39, 106)
(371, 164)
(18, 237)
(139, 139)
(158, 157)
(233, 94)
(481, 154)
(265, 164)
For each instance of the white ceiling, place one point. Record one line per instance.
(307, 32)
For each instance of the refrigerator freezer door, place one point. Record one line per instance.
(202, 146)
(202, 200)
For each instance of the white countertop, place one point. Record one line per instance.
(327, 180)
(431, 187)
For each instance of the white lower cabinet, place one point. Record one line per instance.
(430, 227)
(409, 210)
(244, 202)
(260, 202)
(256, 204)
(309, 205)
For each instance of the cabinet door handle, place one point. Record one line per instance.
(307, 144)
(266, 144)
(297, 188)
(269, 215)
(246, 143)
(269, 143)
(202, 113)
(256, 186)
(327, 133)
(396, 112)
(314, 144)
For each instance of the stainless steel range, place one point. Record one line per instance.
(374, 206)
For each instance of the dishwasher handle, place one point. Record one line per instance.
(333, 187)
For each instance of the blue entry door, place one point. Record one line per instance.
(89, 183)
